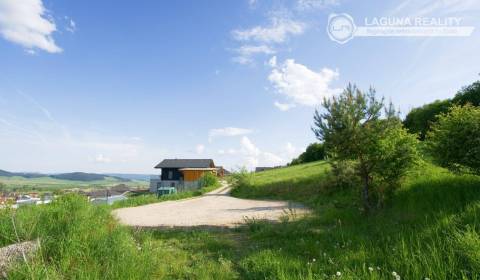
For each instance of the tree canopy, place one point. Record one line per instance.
(314, 152)
(454, 141)
(353, 128)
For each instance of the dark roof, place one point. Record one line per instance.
(186, 163)
(260, 169)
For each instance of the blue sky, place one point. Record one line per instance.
(116, 86)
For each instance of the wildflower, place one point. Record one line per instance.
(339, 274)
(378, 268)
(370, 268)
(397, 277)
(314, 260)
(426, 278)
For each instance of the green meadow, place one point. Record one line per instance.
(430, 230)
(52, 184)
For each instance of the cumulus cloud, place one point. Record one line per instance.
(283, 106)
(254, 157)
(264, 39)
(315, 4)
(278, 31)
(227, 132)
(247, 52)
(26, 23)
(300, 85)
(248, 147)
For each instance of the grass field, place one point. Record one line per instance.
(52, 184)
(430, 230)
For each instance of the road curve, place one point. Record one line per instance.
(214, 209)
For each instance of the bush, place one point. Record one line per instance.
(468, 95)
(241, 179)
(454, 141)
(208, 180)
(343, 175)
(314, 152)
(419, 120)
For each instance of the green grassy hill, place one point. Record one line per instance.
(429, 230)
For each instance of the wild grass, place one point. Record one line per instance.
(430, 229)
(149, 198)
(78, 241)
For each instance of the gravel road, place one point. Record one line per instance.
(214, 209)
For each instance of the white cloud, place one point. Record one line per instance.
(272, 61)
(71, 25)
(270, 159)
(227, 132)
(100, 158)
(254, 157)
(25, 23)
(315, 4)
(300, 85)
(247, 52)
(199, 149)
(290, 149)
(283, 106)
(248, 147)
(278, 31)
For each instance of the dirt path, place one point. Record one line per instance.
(214, 209)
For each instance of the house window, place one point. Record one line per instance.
(170, 175)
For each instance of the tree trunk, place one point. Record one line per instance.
(365, 191)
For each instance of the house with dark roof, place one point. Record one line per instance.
(182, 174)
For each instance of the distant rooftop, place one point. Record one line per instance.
(186, 163)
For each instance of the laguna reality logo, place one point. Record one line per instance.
(341, 28)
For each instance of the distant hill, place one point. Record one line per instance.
(73, 176)
(138, 177)
(21, 174)
(86, 177)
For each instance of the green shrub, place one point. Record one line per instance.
(419, 120)
(208, 180)
(343, 175)
(468, 95)
(454, 141)
(314, 152)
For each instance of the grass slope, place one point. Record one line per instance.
(429, 230)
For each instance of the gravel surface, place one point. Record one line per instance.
(214, 209)
(14, 252)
